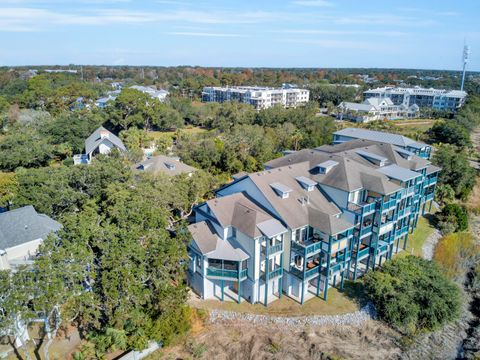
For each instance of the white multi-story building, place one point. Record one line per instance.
(259, 97)
(438, 99)
(373, 109)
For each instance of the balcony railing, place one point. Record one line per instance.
(272, 274)
(430, 181)
(366, 230)
(362, 208)
(401, 231)
(364, 252)
(429, 197)
(225, 273)
(389, 204)
(307, 274)
(273, 249)
(307, 248)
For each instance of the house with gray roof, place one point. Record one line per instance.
(415, 147)
(101, 141)
(168, 165)
(310, 220)
(21, 232)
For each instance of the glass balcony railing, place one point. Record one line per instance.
(429, 197)
(225, 273)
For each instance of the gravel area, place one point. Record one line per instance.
(429, 245)
(355, 318)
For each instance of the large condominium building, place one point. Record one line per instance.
(259, 97)
(307, 222)
(437, 99)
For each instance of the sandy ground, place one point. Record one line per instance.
(243, 340)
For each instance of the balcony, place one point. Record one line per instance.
(307, 274)
(365, 231)
(401, 231)
(429, 197)
(404, 212)
(362, 208)
(429, 182)
(387, 205)
(363, 252)
(278, 271)
(226, 273)
(272, 250)
(307, 247)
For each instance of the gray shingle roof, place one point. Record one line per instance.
(209, 244)
(23, 225)
(94, 140)
(165, 164)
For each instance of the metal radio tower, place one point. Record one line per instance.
(465, 56)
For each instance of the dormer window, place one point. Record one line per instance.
(307, 184)
(326, 166)
(282, 190)
(373, 158)
(404, 153)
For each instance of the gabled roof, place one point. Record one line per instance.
(94, 140)
(328, 224)
(239, 210)
(209, 244)
(23, 225)
(165, 164)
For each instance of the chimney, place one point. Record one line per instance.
(104, 134)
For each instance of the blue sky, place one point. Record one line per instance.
(281, 33)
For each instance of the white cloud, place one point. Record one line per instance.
(339, 32)
(328, 43)
(315, 3)
(204, 34)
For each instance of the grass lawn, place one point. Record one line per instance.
(188, 130)
(417, 239)
(338, 303)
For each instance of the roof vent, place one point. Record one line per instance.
(307, 184)
(305, 200)
(326, 166)
(282, 190)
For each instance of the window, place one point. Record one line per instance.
(199, 261)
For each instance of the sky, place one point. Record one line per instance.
(427, 34)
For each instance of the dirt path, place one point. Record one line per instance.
(429, 245)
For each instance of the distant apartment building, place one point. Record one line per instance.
(373, 109)
(259, 97)
(154, 93)
(309, 221)
(438, 99)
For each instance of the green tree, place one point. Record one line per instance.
(450, 133)
(411, 294)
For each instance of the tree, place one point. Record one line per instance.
(456, 170)
(411, 294)
(132, 108)
(453, 217)
(450, 133)
(8, 188)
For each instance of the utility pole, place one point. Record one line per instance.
(81, 72)
(465, 56)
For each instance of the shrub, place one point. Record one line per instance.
(412, 294)
(456, 253)
(453, 214)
